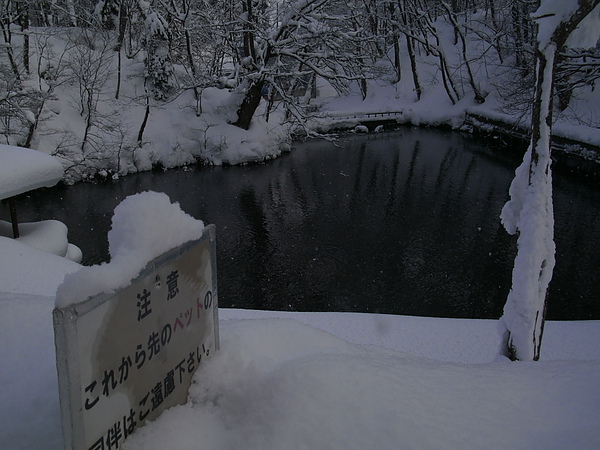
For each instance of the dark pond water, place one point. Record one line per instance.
(401, 223)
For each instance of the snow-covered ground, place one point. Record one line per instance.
(332, 380)
(308, 380)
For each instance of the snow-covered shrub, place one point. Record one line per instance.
(159, 66)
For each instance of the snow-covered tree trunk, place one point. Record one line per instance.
(529, 213)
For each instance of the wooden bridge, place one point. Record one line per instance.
(371, 120)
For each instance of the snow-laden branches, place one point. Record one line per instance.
(309, 38)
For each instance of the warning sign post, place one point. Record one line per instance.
(123, 358)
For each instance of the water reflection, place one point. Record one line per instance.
(401, 223)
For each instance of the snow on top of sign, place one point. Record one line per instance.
(144, 226)
(24, 170)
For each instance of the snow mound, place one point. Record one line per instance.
(227, 144)
(31, 271)
(47, 235)
(280, 384)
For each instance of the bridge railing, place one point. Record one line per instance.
(367, 115)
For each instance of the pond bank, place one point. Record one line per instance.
(576, 149)
(577, 156)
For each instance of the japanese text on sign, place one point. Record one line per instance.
(129, 356)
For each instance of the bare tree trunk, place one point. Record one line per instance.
(249, 50)
(186, 11)
(249, 104)
(72, 12)
(145, 120)
(253, 94)
(118, 90)
(406, 21)
(396, 43)
(24, 22)
(123, 17)
(397, 66)
(458, 34)
(7, 35)
(491, 7)
(429, 26)
(270, 102)
(522, 30)
(446, 75)
(34, 125)
(88, 126)
(363, 87)
(413, 66)
(192, 63)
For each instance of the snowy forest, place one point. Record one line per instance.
(118, 86)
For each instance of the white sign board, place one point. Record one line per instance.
(123, 358)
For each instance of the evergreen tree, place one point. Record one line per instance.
(159, 67)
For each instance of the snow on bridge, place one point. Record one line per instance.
(343, 119)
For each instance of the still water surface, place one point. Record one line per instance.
(401, 223)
